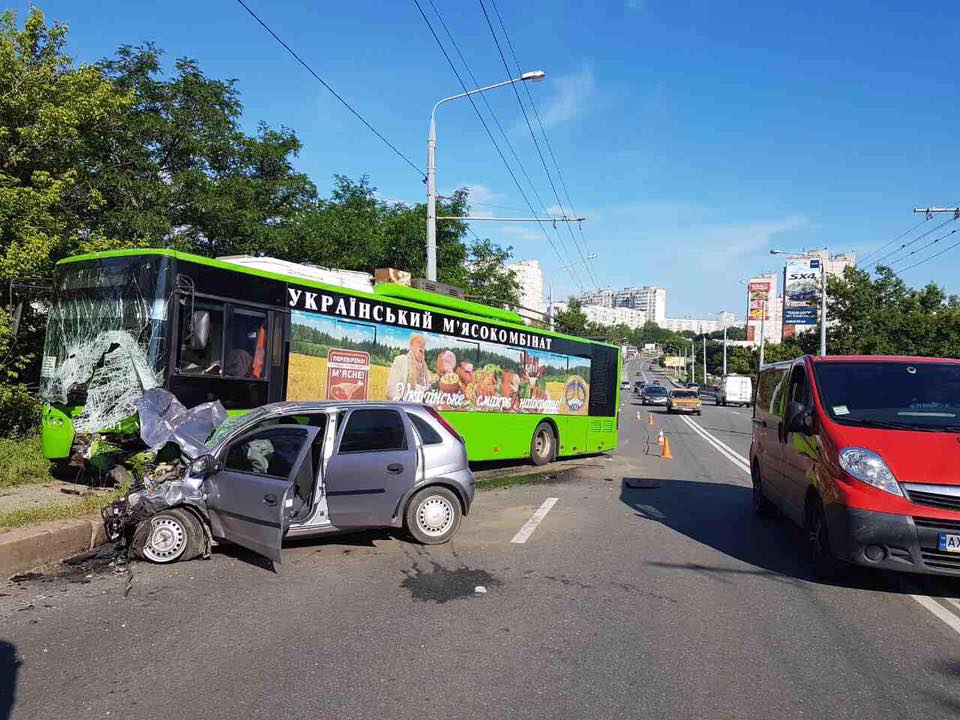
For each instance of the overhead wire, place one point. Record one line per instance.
(882, 261)
(496, 145)
(533, 135)
(333, 92)
(935, 255)
(493, 114)
(890, 242)
(546, 140)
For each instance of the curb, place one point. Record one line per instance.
(29, 547)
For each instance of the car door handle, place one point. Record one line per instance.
(270, 499)
(395, 468)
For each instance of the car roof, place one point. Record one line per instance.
(860, 358)
(304, 405)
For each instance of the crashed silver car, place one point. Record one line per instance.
(298, 469)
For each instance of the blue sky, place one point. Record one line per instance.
(694, 136)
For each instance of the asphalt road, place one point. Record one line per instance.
(667, 601)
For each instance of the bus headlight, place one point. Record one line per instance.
(867, 466)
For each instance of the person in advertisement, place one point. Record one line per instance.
(410, 370)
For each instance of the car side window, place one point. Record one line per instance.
(373, 430)
(272, 452)
(799, 387)
(427, 434)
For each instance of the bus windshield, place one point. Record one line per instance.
(106, 336)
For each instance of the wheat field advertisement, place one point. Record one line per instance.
(338, 359)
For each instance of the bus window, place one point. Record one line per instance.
(246, 355)
(201, 338)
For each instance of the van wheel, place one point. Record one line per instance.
(433, 515)
(762, 507)
(168, 536)
(825, 565)
(543, 446)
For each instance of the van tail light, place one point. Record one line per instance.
(446, 426)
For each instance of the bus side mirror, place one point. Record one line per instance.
(199, 330)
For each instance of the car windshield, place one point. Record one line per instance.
(655, 390)
(911, 396)
(687, 394)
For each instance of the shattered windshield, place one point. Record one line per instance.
(106, 336)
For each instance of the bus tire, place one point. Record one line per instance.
(543, 445)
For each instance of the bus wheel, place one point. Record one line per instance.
(168, 536)
(543, 447)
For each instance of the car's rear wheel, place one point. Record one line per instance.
(168, 536)
(433, 515)
(762, 507)
(543, 446)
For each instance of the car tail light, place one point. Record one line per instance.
(446, 426)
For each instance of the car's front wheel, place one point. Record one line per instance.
(168, 536)
(433, 515)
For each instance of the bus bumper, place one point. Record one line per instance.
(56, 433)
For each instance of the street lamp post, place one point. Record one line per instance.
(432, 165)
(823, 295)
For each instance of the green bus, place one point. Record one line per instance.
(239, 331)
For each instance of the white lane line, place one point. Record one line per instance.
(530, 525)
(939, 610)
(730, 454)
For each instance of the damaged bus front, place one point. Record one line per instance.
(106, 345)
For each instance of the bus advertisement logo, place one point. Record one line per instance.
(348, 374)
(575, 394)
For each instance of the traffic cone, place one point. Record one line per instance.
(665, 455)
(660, 437)
(649, 418)
(638, 415)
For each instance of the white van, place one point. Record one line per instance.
(734, 390)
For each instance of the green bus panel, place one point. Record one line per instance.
(504, 436)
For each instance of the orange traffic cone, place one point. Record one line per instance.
(649, 418)
(638, 416)
(660, 437)
(666, 450)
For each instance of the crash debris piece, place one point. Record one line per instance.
(164, 419)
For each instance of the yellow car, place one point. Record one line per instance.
(684, 400)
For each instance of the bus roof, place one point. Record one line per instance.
(400, 294)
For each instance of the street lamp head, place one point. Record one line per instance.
(776, 252)
(533, 75)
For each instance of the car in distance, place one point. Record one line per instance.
(862, 452)
(653, 395)
(684, 400)
(304, 469)
(625, 384)
(638, 386)
(734, 390)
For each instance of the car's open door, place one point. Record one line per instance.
(250, 499)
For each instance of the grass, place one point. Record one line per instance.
(22, 462)
(62, 511)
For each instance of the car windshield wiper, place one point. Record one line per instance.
(879, 423)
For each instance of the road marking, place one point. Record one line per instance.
(729, 453)
(939, 610)
(530, 525)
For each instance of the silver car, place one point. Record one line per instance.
(303, 469)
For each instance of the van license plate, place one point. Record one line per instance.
(947, 542)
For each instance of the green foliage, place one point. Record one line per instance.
(22, 462)
(572, 320)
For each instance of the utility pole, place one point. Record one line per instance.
(693, 360)
(763, 317)
(704, 356)
(550, 308)
(724, 345)
(823, 305)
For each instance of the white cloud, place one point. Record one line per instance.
(570, 96)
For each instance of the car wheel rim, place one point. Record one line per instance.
(167, 540)
(435, 515)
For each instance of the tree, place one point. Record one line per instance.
(572, 320)
(488, 278)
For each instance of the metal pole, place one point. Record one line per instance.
(763, 317)
(724, 345)
(550, 308)
(823, 305)
(432, 198)
(704, 356)
(693, 360)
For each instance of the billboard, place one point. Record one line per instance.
(674, 361)
(758, 296)
(801, 288)
(332, 358)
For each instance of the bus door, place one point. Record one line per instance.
(277, 351)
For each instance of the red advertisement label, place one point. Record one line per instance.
(348, 374)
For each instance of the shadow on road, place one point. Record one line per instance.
(721, 515)
(9, 664)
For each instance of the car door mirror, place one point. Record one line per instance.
(795, 417)
(204, 465)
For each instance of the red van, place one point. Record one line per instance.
(864, 453)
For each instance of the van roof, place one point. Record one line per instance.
(863, 358)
